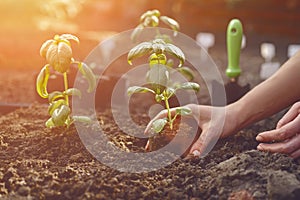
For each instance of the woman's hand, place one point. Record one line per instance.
(286, 136)
(211, 121)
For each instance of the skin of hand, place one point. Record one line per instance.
(269, 97)
(286, 136)
(211, 129)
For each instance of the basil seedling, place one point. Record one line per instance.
(158, 77)
(59, 56)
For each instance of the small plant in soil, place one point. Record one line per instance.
(158, 77)
(161, 67)
(59, 57)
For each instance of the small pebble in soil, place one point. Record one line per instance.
(24, 190)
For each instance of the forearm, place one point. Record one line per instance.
(271, 96)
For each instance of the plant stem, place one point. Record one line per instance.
(66, 87)
(169, 113)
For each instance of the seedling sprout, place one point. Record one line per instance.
(59, 57)
(160, 67)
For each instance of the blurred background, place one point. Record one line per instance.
(26, 24)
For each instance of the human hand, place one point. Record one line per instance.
(286, 136)
(211, 121)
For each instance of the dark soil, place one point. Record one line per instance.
(42, 163)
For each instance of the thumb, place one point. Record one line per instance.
(205, 142)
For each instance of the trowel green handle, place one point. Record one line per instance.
(234, 41)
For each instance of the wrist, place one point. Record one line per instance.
(235, 118)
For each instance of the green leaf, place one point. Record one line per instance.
(88, 75)
(55, 105)
(53, 96)
(138, 89)
(157, 59)
(189, 86)
(170, 63)
(183, 111)
(83, 119)
(42, 81)
(158, 48)
(148, 14)
(69, 37)
(187, 72)
(49, 123)
(159, 124)
(139, 50)
(154, 21)
(136, 32)
(72, 92)
(159, 97)
(175, 51)
(170, 92)
(145, 15)
(171, 22)
(60, 115)
(158, 74)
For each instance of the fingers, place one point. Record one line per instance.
(206, 141)
(212, 125)
(198, 147)
(296, 154)
(147, 147)
(281, 134)
(290, 147)
(289, 116)
(285, 135)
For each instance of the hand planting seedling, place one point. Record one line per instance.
(59, 56)
(152, 18)
(158, 77)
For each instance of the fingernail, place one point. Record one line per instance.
(259, 147)
(196, 153)
(259, 138)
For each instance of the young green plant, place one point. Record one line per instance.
(152, 18)
(158, 77)
(59, 57)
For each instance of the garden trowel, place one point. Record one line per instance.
(234, 91)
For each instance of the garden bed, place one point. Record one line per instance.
(38, 163)
(43, 163)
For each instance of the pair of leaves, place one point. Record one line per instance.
(152, 18)
(59, 117)
(43, 77)
(165, 94)
(157, 46)
(58, 51)
(159, 124)
(58, 95)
